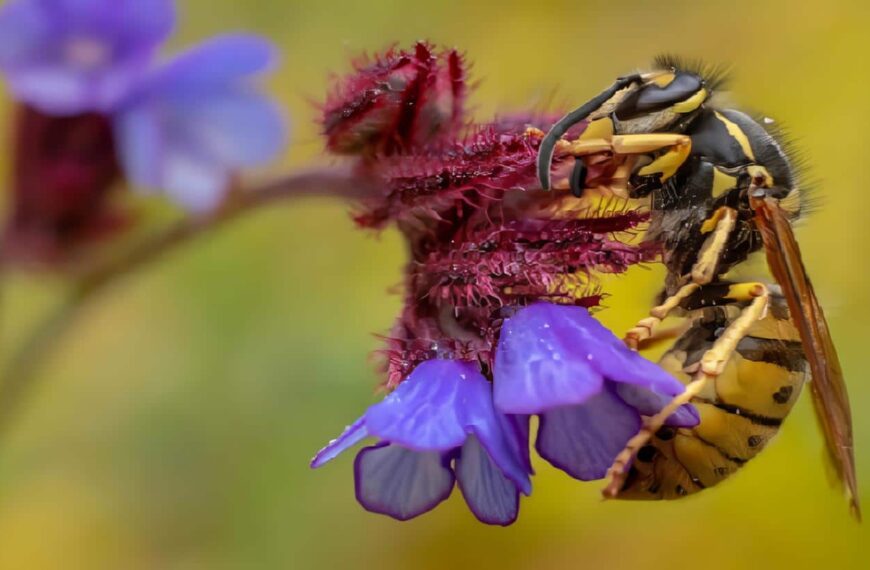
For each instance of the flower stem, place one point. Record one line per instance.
(21, 372)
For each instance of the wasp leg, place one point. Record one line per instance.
(663, 335)
(712, 364)
(629, 144)
(719, 226)
(600, 140)
(644, 329)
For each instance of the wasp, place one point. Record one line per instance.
(721, 186)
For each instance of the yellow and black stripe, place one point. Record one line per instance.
(740, 412)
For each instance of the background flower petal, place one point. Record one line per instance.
(352, 435)
(399, 482)
(129, 23)
(73, 56)
(193, 180)
(492, 497)
(583, 440)
(53, 89)
(235, 127)
(423, 412)
(201, 122)
(538, 366)
(25, 30)
(215, 62)
(140, 146)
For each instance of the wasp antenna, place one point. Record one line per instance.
(548, 144)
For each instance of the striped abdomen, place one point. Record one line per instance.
(740, 412)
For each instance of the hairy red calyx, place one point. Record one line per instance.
(62, 172)
(483, 237)
(397, 101)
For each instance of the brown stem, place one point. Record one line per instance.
(22, 369)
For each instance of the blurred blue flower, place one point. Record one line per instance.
(588, 389)
(193, 122)
(66, 57)
(442, 413)
(185, 126)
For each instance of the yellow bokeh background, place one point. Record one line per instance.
(172, 428)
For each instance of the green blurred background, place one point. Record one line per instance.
(173, 428)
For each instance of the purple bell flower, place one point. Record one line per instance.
(587, 388)
(438, 427)
(66, 57)
(191, 124)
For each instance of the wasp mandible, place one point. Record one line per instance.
(721, 186)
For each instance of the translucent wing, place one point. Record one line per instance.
(830, 399)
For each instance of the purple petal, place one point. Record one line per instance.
(193, 181)
(73, 56)
(502, 440)
(196, 122)
(606, 352)
(129, 23)
(142, 20)
(190, 151)
(352, 435)
(140, 146)
(423, 412)
(399, 482)
(59, 90)
(516, 427)
(584, 440)
(234, 127)
(25, 29)
(492, 497)
(215, 62)
(144, 24)
(649, 403)
(538, 365)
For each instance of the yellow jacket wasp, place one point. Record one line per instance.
(721, 188)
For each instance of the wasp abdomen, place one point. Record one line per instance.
(740, 412)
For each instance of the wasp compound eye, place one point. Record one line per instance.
(659, 95)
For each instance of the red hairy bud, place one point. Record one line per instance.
(63, 169)
(398, 101)
(483, 238)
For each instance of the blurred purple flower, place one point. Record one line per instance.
(186, 126)
(193, 122)
(588, 389)
(441, 413)
(66, 57)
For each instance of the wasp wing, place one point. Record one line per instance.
(830, 398)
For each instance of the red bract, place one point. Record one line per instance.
(397, 101)
(63, 169)
(483, 238)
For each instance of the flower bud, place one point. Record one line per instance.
(63, 169)
(398, 101)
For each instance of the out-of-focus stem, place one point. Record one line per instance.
(22, 369)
